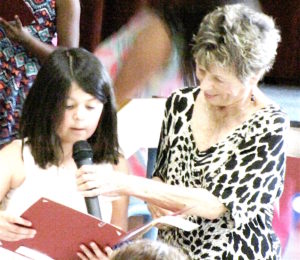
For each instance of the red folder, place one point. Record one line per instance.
(60, 230)
(10, 8)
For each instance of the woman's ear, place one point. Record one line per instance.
(255, 78)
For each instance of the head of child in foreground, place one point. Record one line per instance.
(148, 250)
(71, 99)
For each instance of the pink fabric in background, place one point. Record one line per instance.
(282, 221)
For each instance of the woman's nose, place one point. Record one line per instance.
(206, 83)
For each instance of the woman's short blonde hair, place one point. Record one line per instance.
(237, 38)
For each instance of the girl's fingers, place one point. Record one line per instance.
(108, 250)
(97, 251)
(86, 251)
(81, 256)
(19, 221)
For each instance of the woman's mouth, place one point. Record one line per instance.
(209, 96)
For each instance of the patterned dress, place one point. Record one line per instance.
(18, 67)
(245, 172)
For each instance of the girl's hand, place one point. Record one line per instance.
(93, 181)
(15, 30)
(14, 228)
(94, 253)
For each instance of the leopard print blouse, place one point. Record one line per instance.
(245, 171)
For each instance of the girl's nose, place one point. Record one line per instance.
(79, 113)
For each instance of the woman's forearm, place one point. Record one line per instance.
(198, 201)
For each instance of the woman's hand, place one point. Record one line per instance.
(15, 31)
(14, 228)
(94, 253)
(92, 181)
(158, 212)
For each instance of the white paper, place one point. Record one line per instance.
(9, 255)
(178, 222)
(139, 124)
(33, 254)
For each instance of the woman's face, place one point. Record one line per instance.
(221, 87)
(81, 116)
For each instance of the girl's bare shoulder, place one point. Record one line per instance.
(11, 162)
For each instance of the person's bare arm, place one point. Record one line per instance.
(12, 228)
(150, 52)
(199, 201)
(68, 22)
(120, 207)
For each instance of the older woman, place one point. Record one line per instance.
(221, 153)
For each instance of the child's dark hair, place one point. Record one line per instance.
(45, 105)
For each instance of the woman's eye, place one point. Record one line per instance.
(201, 72)
(219, 80)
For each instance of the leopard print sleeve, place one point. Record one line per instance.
(251, 180)
(163, 151)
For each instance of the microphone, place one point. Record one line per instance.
(83, 155)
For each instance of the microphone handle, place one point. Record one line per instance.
(92, 205)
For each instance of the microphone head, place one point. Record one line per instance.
(82, 150)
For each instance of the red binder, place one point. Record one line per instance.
(60, 231)
(10, 8)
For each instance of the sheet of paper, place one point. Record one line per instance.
(139, 124)
(32, 254)
(178, 222)
(8, 255)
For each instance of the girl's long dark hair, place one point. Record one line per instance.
(45, 105)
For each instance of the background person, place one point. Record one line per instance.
(75, 104)
(222, 148)
(23, 49)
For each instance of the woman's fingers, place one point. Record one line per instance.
(157, 212)
(91, 182)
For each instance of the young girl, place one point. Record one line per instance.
(70, 100)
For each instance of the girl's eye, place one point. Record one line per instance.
(69, 106)
(90, 107)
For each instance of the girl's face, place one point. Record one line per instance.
(220, 86)
(81, 116)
